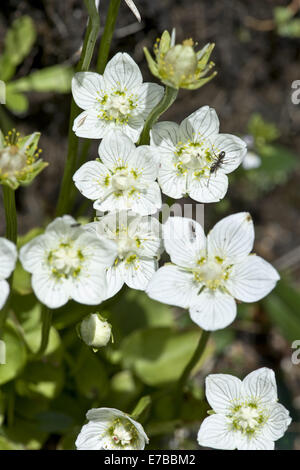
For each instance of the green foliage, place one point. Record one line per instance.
(286, 24)
(15, 354)
(262, 131)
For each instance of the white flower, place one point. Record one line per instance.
(207, 274)
(95, 331)
(188, 153)
(8, 258)
(67, 262)
(251, 160)
(118, 99)
(111, 429)
(247, 415)
(125, 178)
(137, 244)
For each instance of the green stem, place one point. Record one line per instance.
(10, 213)
(168, 99)
(107, 35)
(91, 35)
(46, 326)
(194, 359)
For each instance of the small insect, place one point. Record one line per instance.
(216, 164)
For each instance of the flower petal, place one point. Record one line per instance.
(214, 432)
(86, 88)
(52, 292)
(114, 280)
(232, 238)
(277, 423)
(122, 73)
(92, 179)
(4, 291)
(261, 385)
(149, 95)
(116, 149)
(252, 279)
(8, 258)
(89, 437)
(32, 254)
(213, 310)
(89, 287)
(208, 190)
(165, 135)
(254, 443)
(172, 183)
(146, 202)
(144, 162)
(89, 125)
(203, 123)
(174, 286)
(138, 273)
(184, 241)
(223, 391)
(235, 150)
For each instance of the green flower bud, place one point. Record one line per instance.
(20, 160)
(180, 66)
(95, 331)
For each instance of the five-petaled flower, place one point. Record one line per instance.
(118, 99)
(124, 179)
(8, 258)
(208, 274)
(138, 245)
(247, 415)
(111, 429)
(189, 156)
(67, 262)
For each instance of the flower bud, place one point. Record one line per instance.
(20, 159)
(180, 66)
(95, 331)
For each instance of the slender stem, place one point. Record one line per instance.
(46, 326)
(107, 35)
(168, 99)
(10, 213)
(90, 39)
(194, 359)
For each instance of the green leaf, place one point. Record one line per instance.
(90, 375)
(41, 380)
(17, 44)
(16, 102)
(6, 444)
(262, 131)
(282, 14)
(27, 434)
(158, 356)
(21, 280)
(15, 354)
(290, 29)
(56, 79)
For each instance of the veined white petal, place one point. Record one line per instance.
(235, 150)
(223, 391)
(112, 202)
(89, 287)
(86, 88)
(147, 231)
(123, 73)
(88, 124)
(144, 162)
(254, 443)
(232, 238)
(203, 123)
(114, 280)
(149, 95)
(214, 432)
(4, 291)
(138, 273)
(146, 202)
(172, 183)
(213, 310)
(278, 421)
(100, 252)
(61, 225)
(32, 254)
(165, 135)
(251, 160)
(134, 9)
(261, 385)
(252, 279)
(174, 286)
(8, 258)
(184, 241)
(208, 190)
(52, 292)
(133, 128)
(93, 180)
(89, 437)
(116, 149)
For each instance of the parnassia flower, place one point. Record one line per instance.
(118, 99)
(67, 262)
(195, 158)
(111, 429)
(95, 331)
(138, 246)
(208, 274)
(246, 414)
(20, 160)
(124, 179)
(8, 258)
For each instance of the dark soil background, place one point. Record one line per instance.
(255, 72)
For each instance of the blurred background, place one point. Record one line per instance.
(257, 57)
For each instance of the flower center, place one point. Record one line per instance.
(126, 245)
(211, 272)
(121, 435)
(12, 160)
(117, 107)
(66, 260)
(247, 418)
(122, 180)
(194, 156)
